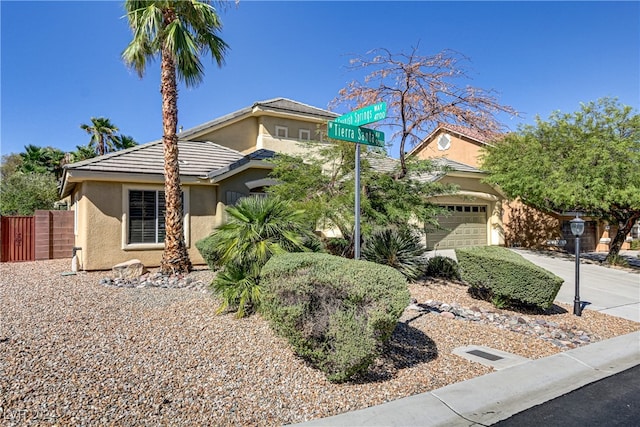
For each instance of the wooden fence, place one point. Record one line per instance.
(46, 235)
(18, 238)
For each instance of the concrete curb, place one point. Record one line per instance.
(496, 396)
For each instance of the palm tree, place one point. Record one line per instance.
(125, 141)
(179, 32)
(257, 228)
(103, 134)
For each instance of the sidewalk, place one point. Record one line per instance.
(496, 396)
(490, 398)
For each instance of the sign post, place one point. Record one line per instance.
(348, 128)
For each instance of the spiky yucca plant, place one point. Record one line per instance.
(397, 248)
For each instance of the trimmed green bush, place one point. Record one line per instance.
(443, 267)
(335, 312)
(505, 274)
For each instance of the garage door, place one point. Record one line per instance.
(465, 226)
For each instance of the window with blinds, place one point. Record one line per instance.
(146, 216)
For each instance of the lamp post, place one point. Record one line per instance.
(577, 228)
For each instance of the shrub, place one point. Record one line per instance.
(635, 245)
(396, 248)
(335, 312)
(505, 274)
(257, 228)
(443, 267)
(618, 261)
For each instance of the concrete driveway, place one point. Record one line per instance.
(611, 291)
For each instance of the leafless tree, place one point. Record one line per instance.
(421, 93)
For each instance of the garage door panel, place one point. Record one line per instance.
(461, 228)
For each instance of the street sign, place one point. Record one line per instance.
(356, 134)
(364, 115)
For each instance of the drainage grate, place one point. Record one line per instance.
(489, 356)
(485, 355)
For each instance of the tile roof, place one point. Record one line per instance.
(442, 165)
(479, 135)
(197, 158)
(275, 104)
(261, 154)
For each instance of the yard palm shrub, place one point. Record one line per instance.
(256, 229)
(397, 248)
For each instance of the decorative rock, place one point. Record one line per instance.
(546, 330)
(131, 269)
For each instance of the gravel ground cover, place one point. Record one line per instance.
(74, 351)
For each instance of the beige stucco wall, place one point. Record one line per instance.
(461, 150)
(240, 136)
(101, 217)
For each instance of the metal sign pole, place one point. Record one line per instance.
(356, 231)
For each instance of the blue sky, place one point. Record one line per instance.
(61, 65)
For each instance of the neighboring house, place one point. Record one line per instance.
(519, 225)
(118, 198)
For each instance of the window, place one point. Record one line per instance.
(282, 132)
(444, 142)
(143, 210)
(146, 216)
(304, 134)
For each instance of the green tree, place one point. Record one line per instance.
(83, 152)
(323, 185)
(10, 164)
(179, 32)
(103, 134)
(587, 161)
(124, 141)
(256, 229)
(23, 193)
(42, 160)
(421, 92)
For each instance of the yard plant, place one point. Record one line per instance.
(257, 228)
(337, 313)
(505, 277)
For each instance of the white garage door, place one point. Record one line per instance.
(465, 226)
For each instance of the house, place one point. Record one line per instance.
(118, 198)
(519, 225)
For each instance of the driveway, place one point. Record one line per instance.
(611, 291)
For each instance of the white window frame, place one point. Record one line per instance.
(75, 214)
(282, 128)
(125, 217)
(304, 135)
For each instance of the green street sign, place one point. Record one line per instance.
(356, 134)
(364, 115)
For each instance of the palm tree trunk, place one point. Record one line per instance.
(175, 258)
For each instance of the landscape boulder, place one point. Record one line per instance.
(127, 270)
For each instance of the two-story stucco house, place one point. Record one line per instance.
(118, 198)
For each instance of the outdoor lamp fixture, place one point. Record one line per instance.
(577, 228)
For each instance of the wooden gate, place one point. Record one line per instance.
(17, 238)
